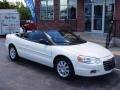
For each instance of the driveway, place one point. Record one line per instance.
(27, 75)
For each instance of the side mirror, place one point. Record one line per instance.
(44, 41)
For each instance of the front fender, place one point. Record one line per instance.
(63, 52)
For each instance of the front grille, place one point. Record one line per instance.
(109, 65)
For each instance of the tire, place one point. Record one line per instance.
(13, 53)
(64, 68)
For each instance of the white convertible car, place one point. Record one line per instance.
(68, 54)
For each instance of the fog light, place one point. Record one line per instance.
(93, 71)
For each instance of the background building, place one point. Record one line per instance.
(82, 15)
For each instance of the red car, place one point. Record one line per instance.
(29, 26)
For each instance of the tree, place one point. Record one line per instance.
(4, 5)
(24, 11)
(4, 0)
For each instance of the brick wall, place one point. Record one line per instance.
(80, 16)
(56, 23)
(117, 18)
(117, 10)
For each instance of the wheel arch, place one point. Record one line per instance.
(63, 56)
(70, 63)
(11, 44)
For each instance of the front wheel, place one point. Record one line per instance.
(64, 68)
(13, 53)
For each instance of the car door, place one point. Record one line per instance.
(36, 51)
(41, 53)
(22, 45)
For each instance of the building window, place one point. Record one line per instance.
(68, 9)
(88, 1)
(109, 13)
(47, 10)
(99, 1)
(88, 15)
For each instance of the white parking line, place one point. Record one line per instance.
(117, 69)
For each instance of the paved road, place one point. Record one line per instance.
(27, 75)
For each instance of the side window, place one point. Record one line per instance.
(36, 36)
(25, 35)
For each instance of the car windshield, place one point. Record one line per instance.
(64, 38)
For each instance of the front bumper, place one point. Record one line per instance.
(87, 70)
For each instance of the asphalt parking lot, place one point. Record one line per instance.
(27, 75)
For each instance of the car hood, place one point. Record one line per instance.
(88, 49)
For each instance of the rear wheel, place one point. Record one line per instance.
(64, 68)
(13, 53)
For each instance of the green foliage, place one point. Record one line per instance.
(4, 5)
(24, 11)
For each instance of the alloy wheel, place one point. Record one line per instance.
(63, 69)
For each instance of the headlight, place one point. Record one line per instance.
(88, 60)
